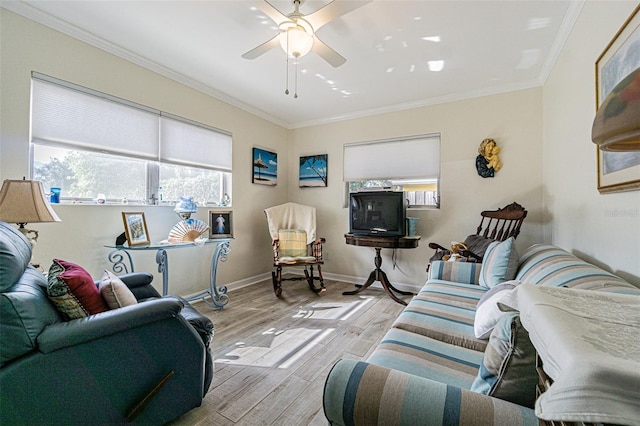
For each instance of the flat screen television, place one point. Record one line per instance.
(377, 213)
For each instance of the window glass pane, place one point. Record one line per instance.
(83, 174)
(204, 185)
(358, 185)
(417, 194)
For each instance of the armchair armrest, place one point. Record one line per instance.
(437, 246)
(75, 332)
(136, 279)
(460, 272)
(472, 257)
(359, 393)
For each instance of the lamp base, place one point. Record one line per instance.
(30, 234)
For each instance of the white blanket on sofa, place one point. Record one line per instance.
(589, 343)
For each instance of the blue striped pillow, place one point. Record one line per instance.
(500, 263)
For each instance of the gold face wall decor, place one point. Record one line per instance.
(488, 161)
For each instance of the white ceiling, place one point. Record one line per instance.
(487, 47)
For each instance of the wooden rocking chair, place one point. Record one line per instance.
(293, 232)
(495, 225)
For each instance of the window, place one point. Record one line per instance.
(90, 143)
(411, 165)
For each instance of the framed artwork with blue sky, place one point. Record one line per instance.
(265, 167)
(313, 171)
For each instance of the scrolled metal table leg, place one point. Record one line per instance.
(163, 268)
(218, 295)
(117, 259)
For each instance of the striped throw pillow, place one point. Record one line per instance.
(500, 263)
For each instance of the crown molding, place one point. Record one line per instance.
(36, 15)
(454, 97)
(569, 20)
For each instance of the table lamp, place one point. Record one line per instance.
(23, 201)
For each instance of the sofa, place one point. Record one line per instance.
(431, 369)
(145, 363)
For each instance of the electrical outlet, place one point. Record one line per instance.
(325, 255)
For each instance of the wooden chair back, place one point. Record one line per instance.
(502, 223)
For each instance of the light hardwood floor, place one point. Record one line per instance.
(272, 355)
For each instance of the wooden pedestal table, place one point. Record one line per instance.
(378, 243)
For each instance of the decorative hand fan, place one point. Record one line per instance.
(187, 230)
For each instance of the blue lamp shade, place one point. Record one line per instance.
(617, 123)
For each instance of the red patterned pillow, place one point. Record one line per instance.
(72, 291)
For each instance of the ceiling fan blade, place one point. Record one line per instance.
(272, 12)
(333, 10)
(263, 48)
(327, 53)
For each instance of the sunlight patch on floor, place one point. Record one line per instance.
(333, 310)
(281, 348)
(276, 348)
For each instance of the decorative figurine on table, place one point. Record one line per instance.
(188, 229)
(488, 162)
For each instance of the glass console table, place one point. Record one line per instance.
(122, 263)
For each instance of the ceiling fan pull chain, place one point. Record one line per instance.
(286, 92)
(295, 95)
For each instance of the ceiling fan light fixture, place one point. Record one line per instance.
(296, 41)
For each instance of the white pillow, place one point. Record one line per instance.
(114, 292)
(487, 311)
(500, 263)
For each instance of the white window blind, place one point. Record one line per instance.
(191, 144)
(74, 117)
(402, 158)
(83, 119)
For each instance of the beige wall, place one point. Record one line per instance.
(27, 46)
(513, 119)
(602, 229)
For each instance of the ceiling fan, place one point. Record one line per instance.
(297, 32)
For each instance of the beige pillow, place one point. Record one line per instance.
(114, 292)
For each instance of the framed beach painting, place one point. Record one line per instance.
(618, 171)
(265, 167)
(313, 171)
(135, 228)
(220, 224)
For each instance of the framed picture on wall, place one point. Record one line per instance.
(220, 224)
(618, 171)
(313, 171)
(135, 228)
(265, 167)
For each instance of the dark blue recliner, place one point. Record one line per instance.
(142, 364)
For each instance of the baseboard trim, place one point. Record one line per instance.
(359, 280)
(237, 285)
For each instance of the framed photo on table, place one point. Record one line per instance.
(135, 228)
(220, 224)
(618, 171)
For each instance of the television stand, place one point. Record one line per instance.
(378, 243)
